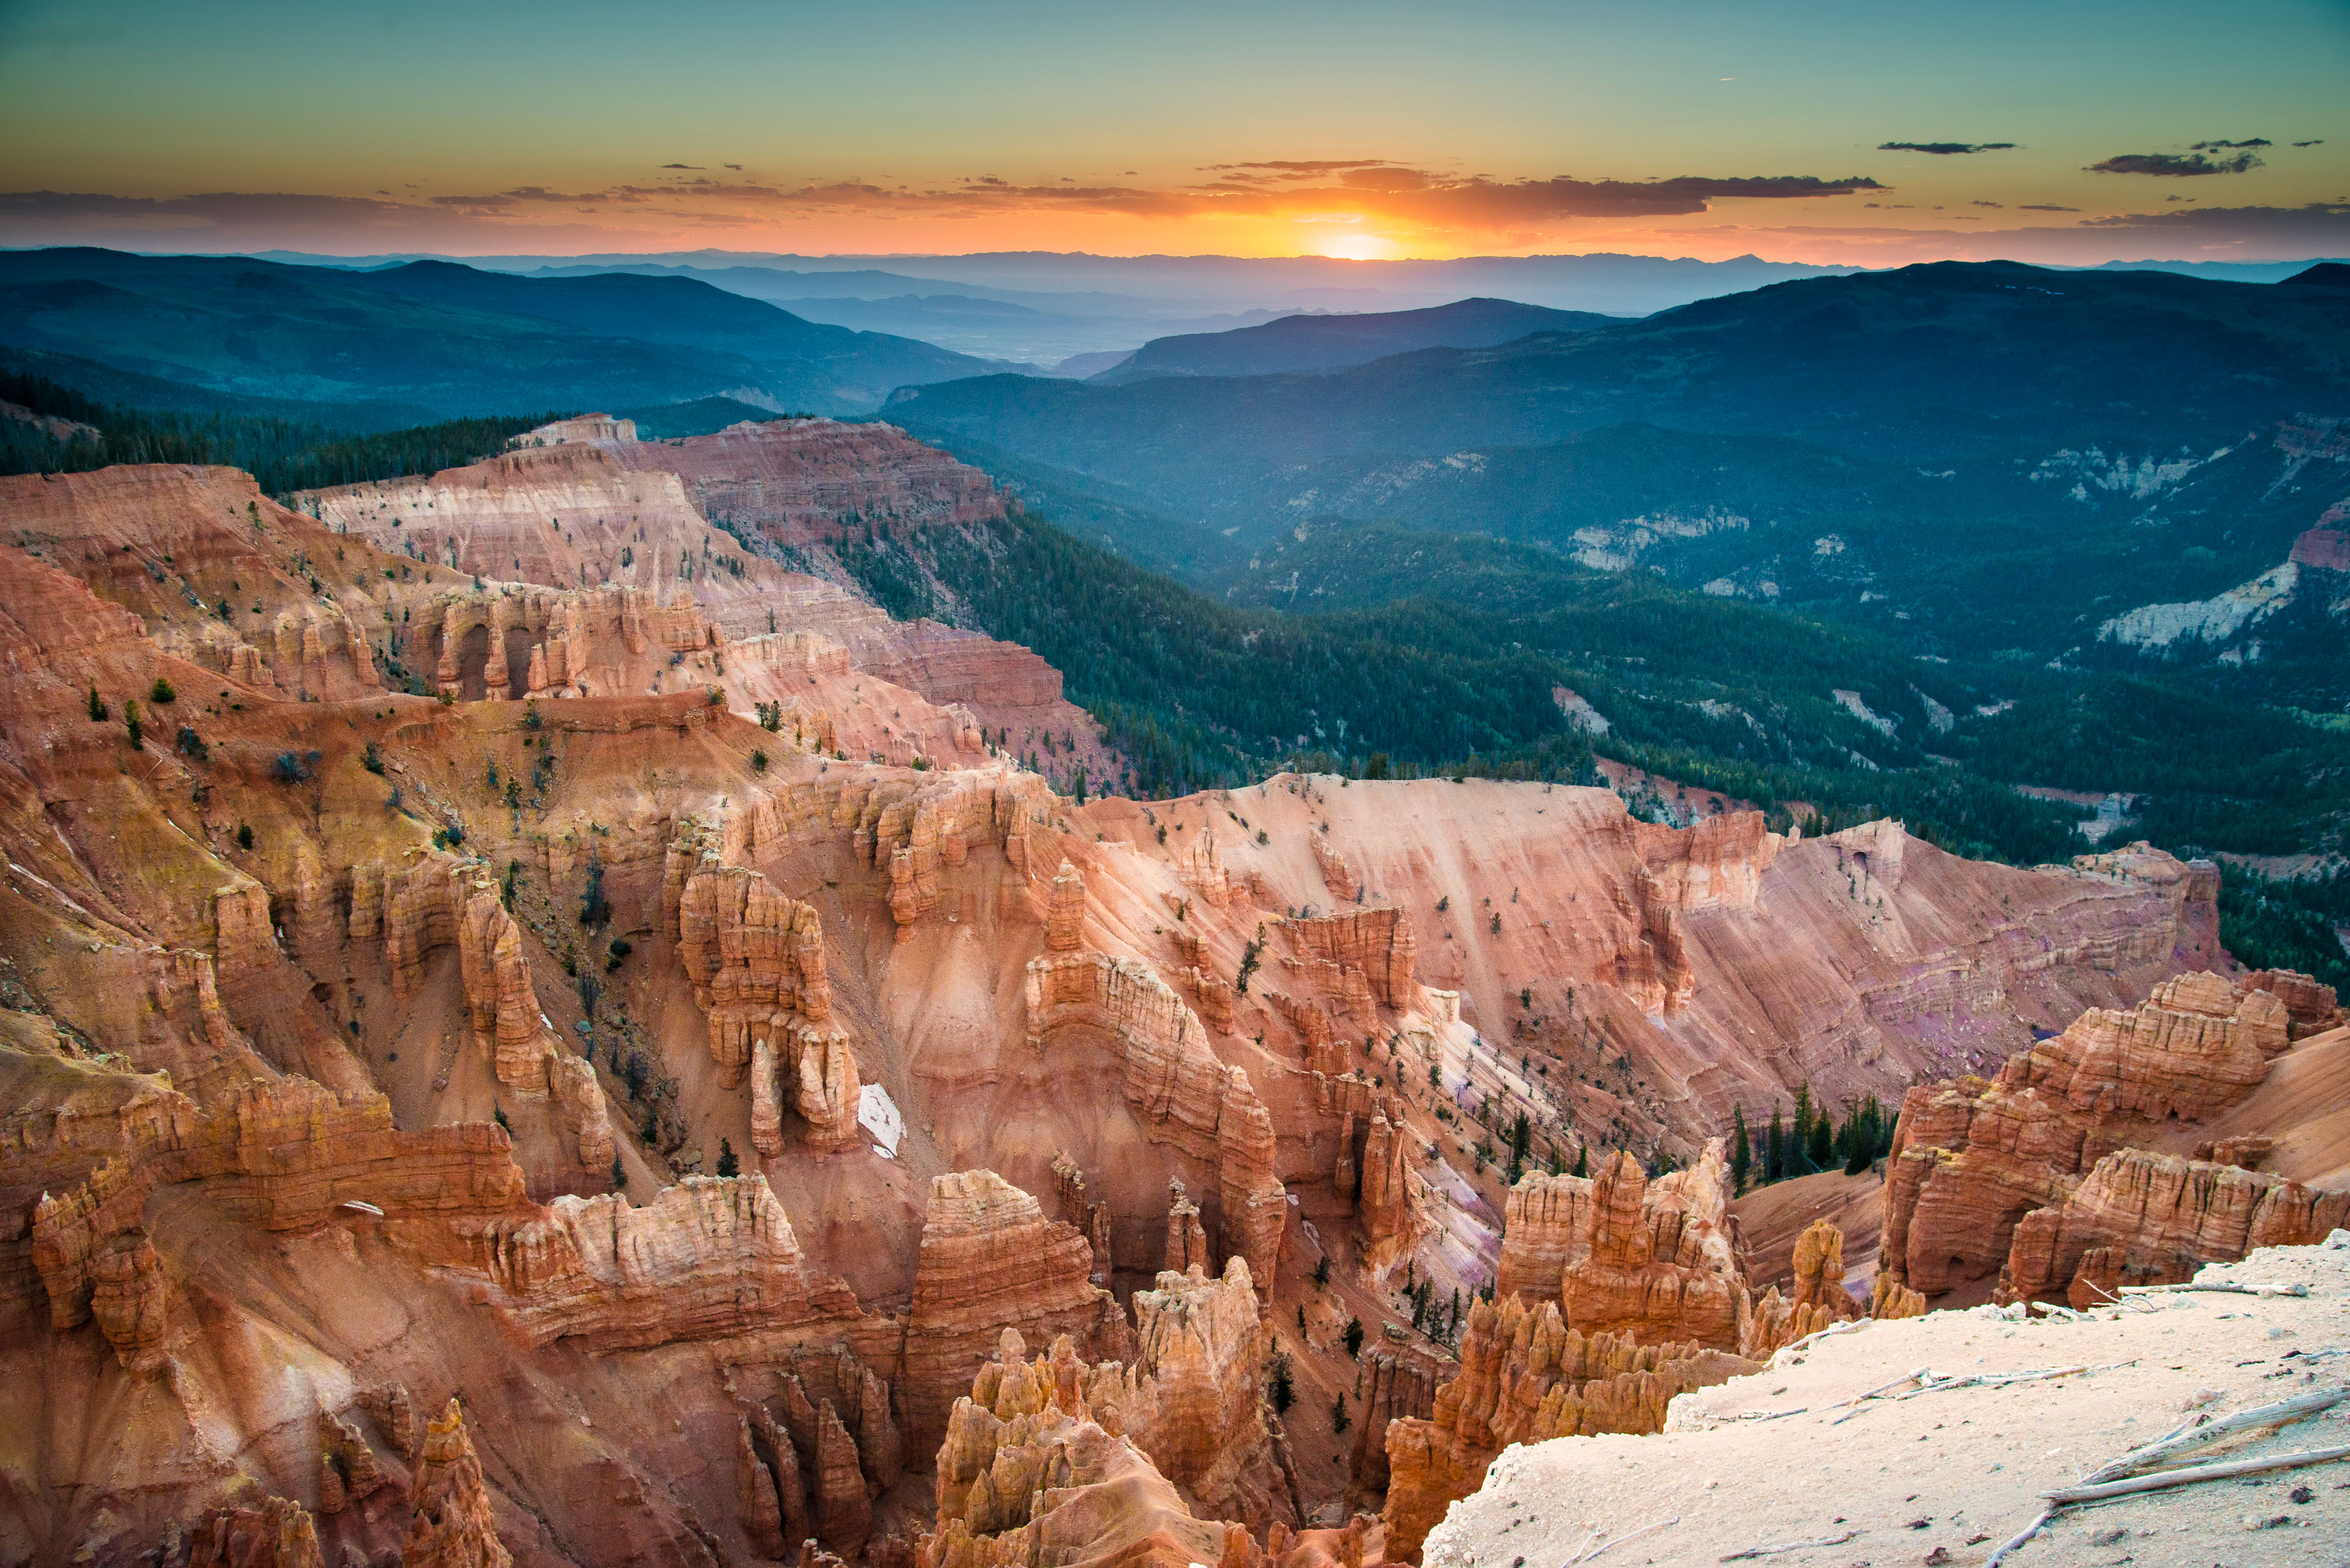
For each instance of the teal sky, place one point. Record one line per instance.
(875, 128)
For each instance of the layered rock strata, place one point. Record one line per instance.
(443, 901)
(283, 1155)
(2141, 1217)
(1176, 1085)
(1974, 1160)
(990, 1260)
(709, 1257)
(756, 961)
(1526, 1376)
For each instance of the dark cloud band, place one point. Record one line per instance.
(2178, 164)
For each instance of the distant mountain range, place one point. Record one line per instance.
(1335, 342)
(1973, 457)
(1084, 305)
(445, 338)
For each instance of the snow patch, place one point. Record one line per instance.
(878, 1115)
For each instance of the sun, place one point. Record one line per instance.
(1358, 247)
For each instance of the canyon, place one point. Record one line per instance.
(541, 1027)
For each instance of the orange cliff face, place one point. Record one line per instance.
(584, 505)
(2087, 1162)
(449, 1012)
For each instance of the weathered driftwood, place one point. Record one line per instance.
(1591, 1552)
(2179, 1437)
(1790, 1546)
(2223, 1470)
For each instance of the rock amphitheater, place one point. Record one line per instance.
(559, 1040)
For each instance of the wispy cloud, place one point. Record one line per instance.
(1945, 149)
(2179, 164)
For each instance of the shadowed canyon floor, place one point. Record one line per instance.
(538, 1032)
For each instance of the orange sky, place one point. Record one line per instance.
(1834, 132)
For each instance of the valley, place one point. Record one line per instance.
(549, 1021)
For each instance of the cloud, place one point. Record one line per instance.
(2043, 207)
(2318, 224)
(1944, 149)
(1371, 190)
(693, 166)
(2319, 142)
(1303, 166)
(2179, 163)
(245, 221)
(2220, 146)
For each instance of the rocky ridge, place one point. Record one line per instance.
(2055, 1176)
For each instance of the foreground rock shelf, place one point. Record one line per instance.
(1945, 1476)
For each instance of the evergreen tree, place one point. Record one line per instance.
(1583, 1160)
(1775, 1148)
(1340, 1421)
(1822, 1150)
(619, 1177)
(1354, 1336)
(1742, 1152)
(727, 1164)
(1799, 1140)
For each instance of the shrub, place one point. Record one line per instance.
(162, 692)
(244, 835)
(373, 760)
(289, 769)
(759, 761)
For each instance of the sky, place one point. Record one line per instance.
(2056, 131)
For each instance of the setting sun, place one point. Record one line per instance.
(1358, 247)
